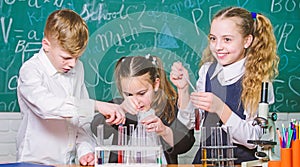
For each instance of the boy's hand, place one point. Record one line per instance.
(130, 105)
(113, 112)
(87, 160)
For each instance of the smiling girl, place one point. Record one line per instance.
(241, 54)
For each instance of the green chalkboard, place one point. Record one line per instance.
(174, 30)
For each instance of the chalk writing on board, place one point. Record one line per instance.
(173, 30)
(122, 33)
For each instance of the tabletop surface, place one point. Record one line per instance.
(170, 165)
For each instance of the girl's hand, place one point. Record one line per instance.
(177, 75)
(207, 101)
(154, 124)
(113, 112)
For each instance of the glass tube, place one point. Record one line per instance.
(200, 116)
(124, 142)
(132, 141)
(100, 138)
(100, 142)
(120, 143)
(230, 153)
(131, 134)
(124, 135)
(139, 130)
(203, 146)
(213, 142)
(220, 146)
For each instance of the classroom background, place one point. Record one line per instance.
(174, 30)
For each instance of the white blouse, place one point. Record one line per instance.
(242, 130)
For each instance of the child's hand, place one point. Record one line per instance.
(154, 124)
(130, 105)
(113, 112)
(177, 75)
(87, 160)
(207, 101)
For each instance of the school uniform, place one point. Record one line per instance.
(225, 82)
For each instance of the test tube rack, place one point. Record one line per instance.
(130, 155)
(216, 149)
(217, 152)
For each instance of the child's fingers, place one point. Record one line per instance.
(119, 118)
(110, 118)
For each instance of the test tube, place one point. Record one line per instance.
(131, 134)
(131, 142)
(124, 142)
(139, 130)
(203, 146)
(197, 119)
(100, 142)
(100, 138)
(200, 116)
(213, 140)
(230, 154)
(143, 142)
(159, 158)
(124, 135)
(220, 146)
(120, 143)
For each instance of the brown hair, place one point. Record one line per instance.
(69, 30)
(164, 101)
(261, 57)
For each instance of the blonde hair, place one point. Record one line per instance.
(164, 101)
(69, 30)
(261, 57)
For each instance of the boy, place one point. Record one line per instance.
(53, 98)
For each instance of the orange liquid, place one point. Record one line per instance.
(204, 156)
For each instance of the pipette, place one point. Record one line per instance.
(189, 82)
(200, 115)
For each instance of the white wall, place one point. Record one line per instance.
(10, 121)
(9, 124)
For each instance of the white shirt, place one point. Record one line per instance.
(242, 130)
(56, 113)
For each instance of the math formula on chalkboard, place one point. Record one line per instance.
(174, 30)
